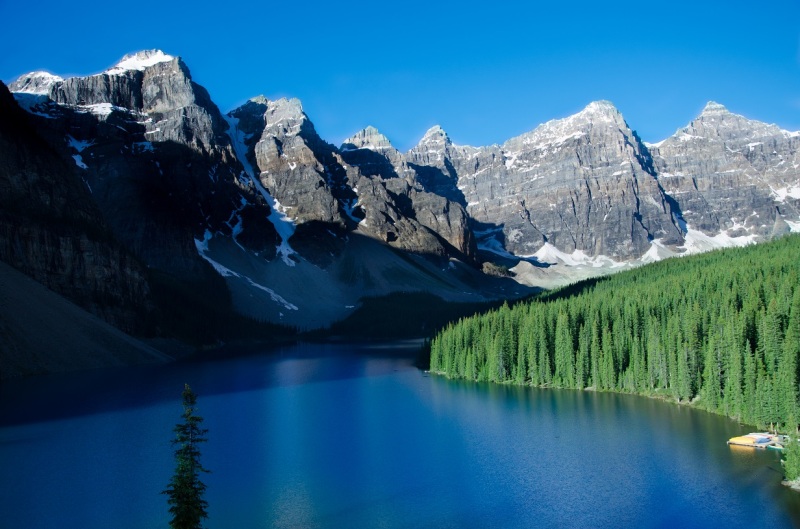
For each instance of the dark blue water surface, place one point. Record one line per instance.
(355, 436)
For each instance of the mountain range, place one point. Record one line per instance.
(130, 194)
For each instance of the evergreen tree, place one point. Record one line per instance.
(791, 460)
(787, 368)
(185, 490)
(724, 326)
(564, 353)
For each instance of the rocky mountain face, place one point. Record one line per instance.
(153, 150)
(365, 186)
(582, 183)
(52, 230)
(731, 174)
(397, 204)
(286, 227)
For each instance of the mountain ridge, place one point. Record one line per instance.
(257, 197)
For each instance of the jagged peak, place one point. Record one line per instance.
(367, 138)
(139, 61)
(712, 107)
(436, 130)
(285, 112)
(593, 112)
(602, 107)
(434, 134)
(558, 131)
(717, 123)
(254, 104)
(435, 139)
(283, 104)
(600, 111)
(38, 82)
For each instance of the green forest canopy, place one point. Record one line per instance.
(720, 330)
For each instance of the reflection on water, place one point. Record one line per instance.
(344, 436)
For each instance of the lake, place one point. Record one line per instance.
(357, 437)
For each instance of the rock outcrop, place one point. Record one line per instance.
(300, 170)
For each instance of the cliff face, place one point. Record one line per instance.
(398, 206)
(153, 150)
(731, 174)
(365, 186)
(51, 229)
(582, 183)
(290, 160)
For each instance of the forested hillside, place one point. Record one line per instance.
(719, 330)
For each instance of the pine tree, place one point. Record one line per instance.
(185, 490)
(787, 368)
(725, 326)
(564, 355)
(791, 460)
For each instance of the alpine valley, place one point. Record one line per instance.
(145, 211)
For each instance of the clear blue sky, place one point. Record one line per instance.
(485, 71)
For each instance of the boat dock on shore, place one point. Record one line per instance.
(758, 440)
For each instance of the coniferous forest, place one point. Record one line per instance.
(719, 330)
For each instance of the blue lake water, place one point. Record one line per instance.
(355, 436)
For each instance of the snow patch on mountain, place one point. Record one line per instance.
(79, 161)
(549, 254)
(786, 192)
(489, 241)
(283, 224)
(78, 146)
(698, 242)
(202, 249)
(36, 104)
(794, 227)
(657, 252)
(102, 110)
(349, 207)
(139, 61)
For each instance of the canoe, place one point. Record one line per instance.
(754, 440)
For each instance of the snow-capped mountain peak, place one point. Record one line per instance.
(558, 131)
(434, 136)
(35, 83)
(139, 61)
(712, 107)
(603, 108)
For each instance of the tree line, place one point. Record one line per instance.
(719, 330)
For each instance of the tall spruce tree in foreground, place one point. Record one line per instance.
(185, 490)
